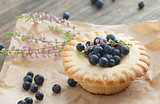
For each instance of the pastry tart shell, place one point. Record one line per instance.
(108, 80)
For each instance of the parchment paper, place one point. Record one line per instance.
(144, 90)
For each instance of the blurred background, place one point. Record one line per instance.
(113, 12)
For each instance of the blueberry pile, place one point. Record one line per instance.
(27, 85)
(105, 52)
(39, 79)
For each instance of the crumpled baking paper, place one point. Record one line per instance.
(144, 90)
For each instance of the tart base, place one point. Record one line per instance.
(108, 80)
(104, 90)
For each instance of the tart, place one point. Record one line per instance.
(105, 80)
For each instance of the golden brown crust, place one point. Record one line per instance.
(123, 77)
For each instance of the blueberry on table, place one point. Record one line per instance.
(93, 59)
(30, 74)
(93, 1)
(80, 47)
(26, 85)
(103, 62)
(66, 15)
(33, 88)
(111, 63)
(100, 3)
(56, 88)
(110, 36)
(27, 78)
(39, 96)
(116, 52)
(71, 82)
(141, 5)
(107, 49)
(29, 100)
(97, 40)
(117, 59)
(39, 79)
(1, 46)
(22, 102)
(98, 50)
(125, 50)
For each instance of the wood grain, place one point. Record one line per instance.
(118, 12)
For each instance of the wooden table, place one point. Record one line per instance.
(118, 12)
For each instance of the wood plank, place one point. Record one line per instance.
(118, 12)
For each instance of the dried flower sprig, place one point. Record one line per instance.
(49, 46)
(31, 38)
(29, 51)
(69, 34)
(50, 17)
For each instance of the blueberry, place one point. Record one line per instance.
(88, 43)
(103, 45)
(124, 50)
(33, 88)
(98, 50)
(30, 74)
(97, 40)
(26, 85)
(117, 59)
(112, 48)
(88, 51)
(29, 100)
(56, 88)
(71, 82)
(39, 96)
(1, 46)
(22, 102)
(103, 62)
(111, 63)
(93, 1)
(110, 36)
(100, 3)
(66, 15)
(98, 54)
(116, 52)
(27, 78)
(80, 47)
(39, 79)
(118, 46)
(107, 49)
(93, 59)
(116, 40)
(141, 5)
(107, 56)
